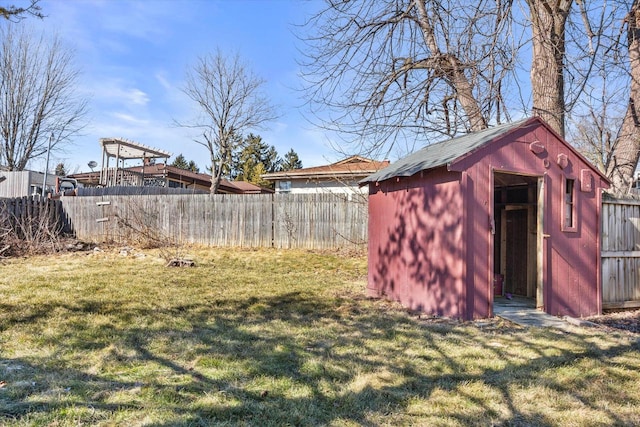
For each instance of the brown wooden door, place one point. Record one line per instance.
(516, 252)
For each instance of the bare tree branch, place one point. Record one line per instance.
(377, 72)
(390, 71)
(15, 14)
(38, 96)
(231, 102)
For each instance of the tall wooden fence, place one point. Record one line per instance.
(311, 221)
(24, 217)
(620, 254)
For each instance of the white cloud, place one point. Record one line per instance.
(164, 82)
(128, 118)
(115, 91)
(171, 93)
(280, 127)
(113, 46)
(153, 133)
(145, 20)
(136, 96)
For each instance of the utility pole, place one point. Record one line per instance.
(46, 167)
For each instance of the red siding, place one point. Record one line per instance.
(416, 242)
(430, 242)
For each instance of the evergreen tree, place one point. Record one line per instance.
(61, 170)
(291, 161)
(193, 167)
(181, 162)
(255, 159)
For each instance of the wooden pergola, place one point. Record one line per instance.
(123, 150)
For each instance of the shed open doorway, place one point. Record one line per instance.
(517, 238)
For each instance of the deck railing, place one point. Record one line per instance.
(114, 177)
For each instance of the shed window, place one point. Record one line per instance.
(569, 205)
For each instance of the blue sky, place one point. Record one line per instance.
(133, 56)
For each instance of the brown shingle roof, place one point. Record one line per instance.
(351, 167)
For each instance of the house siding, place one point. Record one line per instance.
(319, 186)
(19, 183)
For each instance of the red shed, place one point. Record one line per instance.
(514, 201)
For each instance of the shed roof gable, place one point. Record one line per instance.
(452, 150)
(442, 153)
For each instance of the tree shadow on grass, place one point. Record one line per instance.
(289, 359)
(31, 389)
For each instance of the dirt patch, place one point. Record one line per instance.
(624, 320)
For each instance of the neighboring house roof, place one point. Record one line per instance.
(352, 167)
(177, 174)
(245, 187)
(446, 152)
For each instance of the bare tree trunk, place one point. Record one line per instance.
(215, 182)
(217, 165)
(626, 150)
(453, 70)
(548, 19)
(231, 99)
(38, 96)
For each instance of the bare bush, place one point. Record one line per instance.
(138, 227)
(29, 227)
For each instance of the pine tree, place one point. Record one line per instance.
(181, 162)
(193, 167)
(61, 170)
(291, 161)
(254, 160)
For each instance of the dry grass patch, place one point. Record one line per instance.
(267, 337)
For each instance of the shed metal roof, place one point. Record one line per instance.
(441, 153)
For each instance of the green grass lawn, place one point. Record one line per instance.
(276, 338)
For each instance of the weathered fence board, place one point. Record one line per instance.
(134, 191)
(315, 221)
(620, 254)
(320, 221)
(24, 216)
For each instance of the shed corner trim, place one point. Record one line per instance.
(454, 167)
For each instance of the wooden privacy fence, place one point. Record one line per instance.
(23, 217)
(311, 221)
(620, 254)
